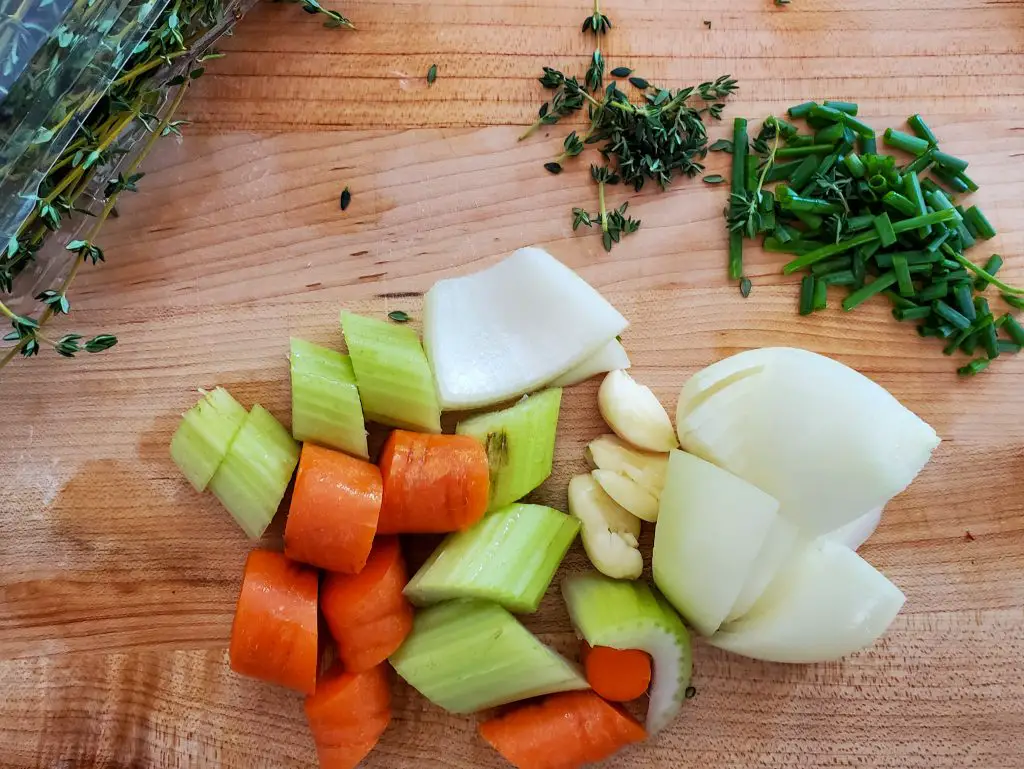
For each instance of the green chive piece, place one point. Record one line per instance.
(936, 290)
(905, 142)
(840, 278)
(913, 193)
(812, 220)
(965, 301)
(970, 344)
(858, 127)
(799, 140)
(981, 222)
(854, 165)
(976, 366)
(950, 162)
(830, 134)
(911, 313)
(1013, 329)
(951, 179)
(807, 295)
(938, 240)
(940, 202)
(875, 287)
(803, 172)
(972, 186)
(824, 114)
(781, 171)
(990, 341)
(902, 270)
(868, 145)
(831, 265)
(804, 151)
(900, 203)
(801, 110)
(920, 164)
(947, 313)
(957, 341)
(921, 129)
(992, 266)
(1016, 302)
(843, 106)
(1009, 347)
(862, 222)
(820, 295)
(886, 234)
(902, 304)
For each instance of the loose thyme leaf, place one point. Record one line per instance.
(621, 72)
(399, 316)
(432, 74)
(346, 199)
(553, 168)
(640, 83)
(714, 179)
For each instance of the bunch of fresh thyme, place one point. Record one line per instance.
(88, 143)
(661, 136)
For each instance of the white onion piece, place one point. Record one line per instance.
(825, 441)
(826, 602)
(511, 328)
(782, 541)
(609, 358)
(711, 527)
(634, 413)
(857, 532)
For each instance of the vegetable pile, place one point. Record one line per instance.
(754, 535)
(853, 216)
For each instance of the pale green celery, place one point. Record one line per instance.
(469, 655)
(325, 400)
(520, 443)
(254, 475)
(394, 378)
(629, 615)
(509, 557)
(206, 431)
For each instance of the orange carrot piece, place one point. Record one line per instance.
(367, 613)
(347, 715)
(432, 483)
(334, 510)
(564, 731)
(274, 635)
(619, 675)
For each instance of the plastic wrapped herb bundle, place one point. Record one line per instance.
(86, 89)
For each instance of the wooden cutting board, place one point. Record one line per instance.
(118, 582)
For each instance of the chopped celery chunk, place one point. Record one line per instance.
(325, 400)
(254, 475)
(394, 379)
(520, 443)
(629, 615)
(205, 434)
(509, 557)
(468, 655)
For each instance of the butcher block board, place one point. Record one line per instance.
(118, 581)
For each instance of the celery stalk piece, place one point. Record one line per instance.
(392, 372)
(254, 475)
(468, 655)
(629, 615)
(206, 431)
(325, 400)
(510, 557)
(520, 443)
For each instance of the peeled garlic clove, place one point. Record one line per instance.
(609, 532)
(635, 414)
(609, 452)
(628, 494)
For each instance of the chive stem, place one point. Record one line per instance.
(905, 142)
(875, 287)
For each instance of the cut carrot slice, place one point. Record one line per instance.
(564, 731)
(274, 635)
(619, 675)
(432, 483)
(366, 612)
(334, 510)
(347, 715)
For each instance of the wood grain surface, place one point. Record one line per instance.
(118, 582)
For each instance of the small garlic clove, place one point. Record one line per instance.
(628, 494)
(635, 414)
(649, 469)
(608, 531)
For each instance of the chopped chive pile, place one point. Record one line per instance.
(852, 215)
